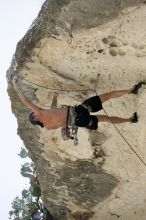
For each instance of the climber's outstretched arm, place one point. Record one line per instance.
(26, 100)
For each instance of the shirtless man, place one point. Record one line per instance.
(56, 117)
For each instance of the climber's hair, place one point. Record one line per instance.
(33, 122)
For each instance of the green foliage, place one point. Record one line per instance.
(26, 218)
(18, 204)
(32, 207)
(35, 190)
(23, 153)
(28, 203)
(25, 193)
(19, 209)
(27, 170)
(22, 208)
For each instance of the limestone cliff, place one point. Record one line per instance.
(74, 47)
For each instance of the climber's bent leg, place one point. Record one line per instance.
(114, 94)
(113, 119)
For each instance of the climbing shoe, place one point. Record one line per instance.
(137, 87)
(134, 118)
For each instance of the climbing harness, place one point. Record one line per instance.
(70, 130)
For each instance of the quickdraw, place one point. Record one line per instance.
(70, 130)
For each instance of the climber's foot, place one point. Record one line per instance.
(134, 118)
(137, 87)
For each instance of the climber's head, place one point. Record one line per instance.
(34, 120)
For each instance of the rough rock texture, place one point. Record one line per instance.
(75, 47)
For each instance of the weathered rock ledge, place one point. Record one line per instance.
(74, 47)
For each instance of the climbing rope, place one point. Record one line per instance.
(125, 139)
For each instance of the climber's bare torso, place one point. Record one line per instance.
(52, 118)
(56, 117)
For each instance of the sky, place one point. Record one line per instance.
(16, 17)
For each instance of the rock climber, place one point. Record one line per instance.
(56, 117)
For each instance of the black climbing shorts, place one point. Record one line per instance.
(83, 117)
(93, 104)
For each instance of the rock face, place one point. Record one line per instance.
(73, 48)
